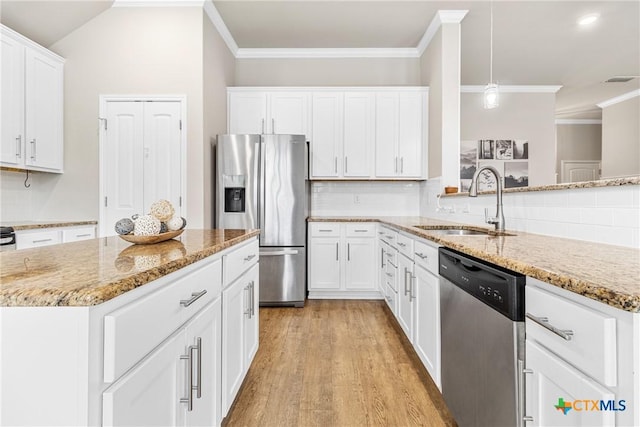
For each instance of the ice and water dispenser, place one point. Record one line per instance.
(234, 193)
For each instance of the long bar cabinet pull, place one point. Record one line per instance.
(565, 334)
(194, 297)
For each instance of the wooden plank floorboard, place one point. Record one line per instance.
(336, 363)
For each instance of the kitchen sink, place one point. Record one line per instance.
(459, 231)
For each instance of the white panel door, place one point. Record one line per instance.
(43, 111)
(554, 384)
(234, 306)
(12, 120)
(149, 394)
(247, 112)
(426, 335)
(251, 330)
(123, 162)
(162, 153)
(386, 134)
(359, 142)
(324, 263)
(206, 326)
(405, 297)
(359, 272)
(326, 134)
(289, 113)
(410, 134)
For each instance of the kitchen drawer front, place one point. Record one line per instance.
(591, 347)
(134, 330)
(325, 229)
(426, 256)
(240, 260)
(391, 276)
(390, 236)
(361, 229)
(405, 245)
(36, 239)
(391, 298)
(78, 233)
(391, 255)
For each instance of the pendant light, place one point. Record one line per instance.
(491, 90)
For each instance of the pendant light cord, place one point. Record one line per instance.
(491, 44)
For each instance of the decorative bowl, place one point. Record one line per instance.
(149, 240)
(450, 190)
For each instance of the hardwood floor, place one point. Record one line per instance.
(336, 363)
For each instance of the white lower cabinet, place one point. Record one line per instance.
(177, 384)
(240, 333)
(342, 260)
(426, 331)
(149, 357)
(580, 363)
(39, 237)
(406, 303)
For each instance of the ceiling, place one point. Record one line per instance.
(534, 42)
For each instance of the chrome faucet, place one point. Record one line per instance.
(498, 220)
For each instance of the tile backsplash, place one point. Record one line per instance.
(370, 198)
(608, 215)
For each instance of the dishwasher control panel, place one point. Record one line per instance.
(497, 287)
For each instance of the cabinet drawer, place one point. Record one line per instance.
(390, 236)
(132, 331)
(80, 233)
(37, 239)
(240, 260)
(325, 229)
(361, 229)
(405, 245)
(426, 256)
(390, 276)
(591, 344)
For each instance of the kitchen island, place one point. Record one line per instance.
(103, 332)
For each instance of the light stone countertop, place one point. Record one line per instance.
(33, 225)
(605, 273)
(90, 272)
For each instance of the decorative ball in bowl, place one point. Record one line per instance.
(159, 225)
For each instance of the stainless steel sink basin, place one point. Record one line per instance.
(459, 231)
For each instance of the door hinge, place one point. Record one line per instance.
(180, 121)
(105, 202)
(104, 121)
(180, 201)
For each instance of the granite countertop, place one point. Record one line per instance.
(32, 225)
(93, 271)
(605, 273)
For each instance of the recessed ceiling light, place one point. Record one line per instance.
(588, 19)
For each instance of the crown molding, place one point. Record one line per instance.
(441, 17)
(619, 99)
(578, 122)
(216, 20)
(158, 3)
(512, 89)
(305, 53)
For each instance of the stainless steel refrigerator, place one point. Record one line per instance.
(261, 182)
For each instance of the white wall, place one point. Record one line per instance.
(528, 116)
(621, 139)
(609, 215)
(218, 73)
(328, 72)
(577, 142)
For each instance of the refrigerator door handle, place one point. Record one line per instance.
(279, 253)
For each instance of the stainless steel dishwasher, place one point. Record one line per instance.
(482, 321)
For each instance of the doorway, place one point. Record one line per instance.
(142, 156)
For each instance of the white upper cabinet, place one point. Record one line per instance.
(32, 105)
(326, 135)
(401, 135)
(358, 133)
(262, 112)
(359, 143)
